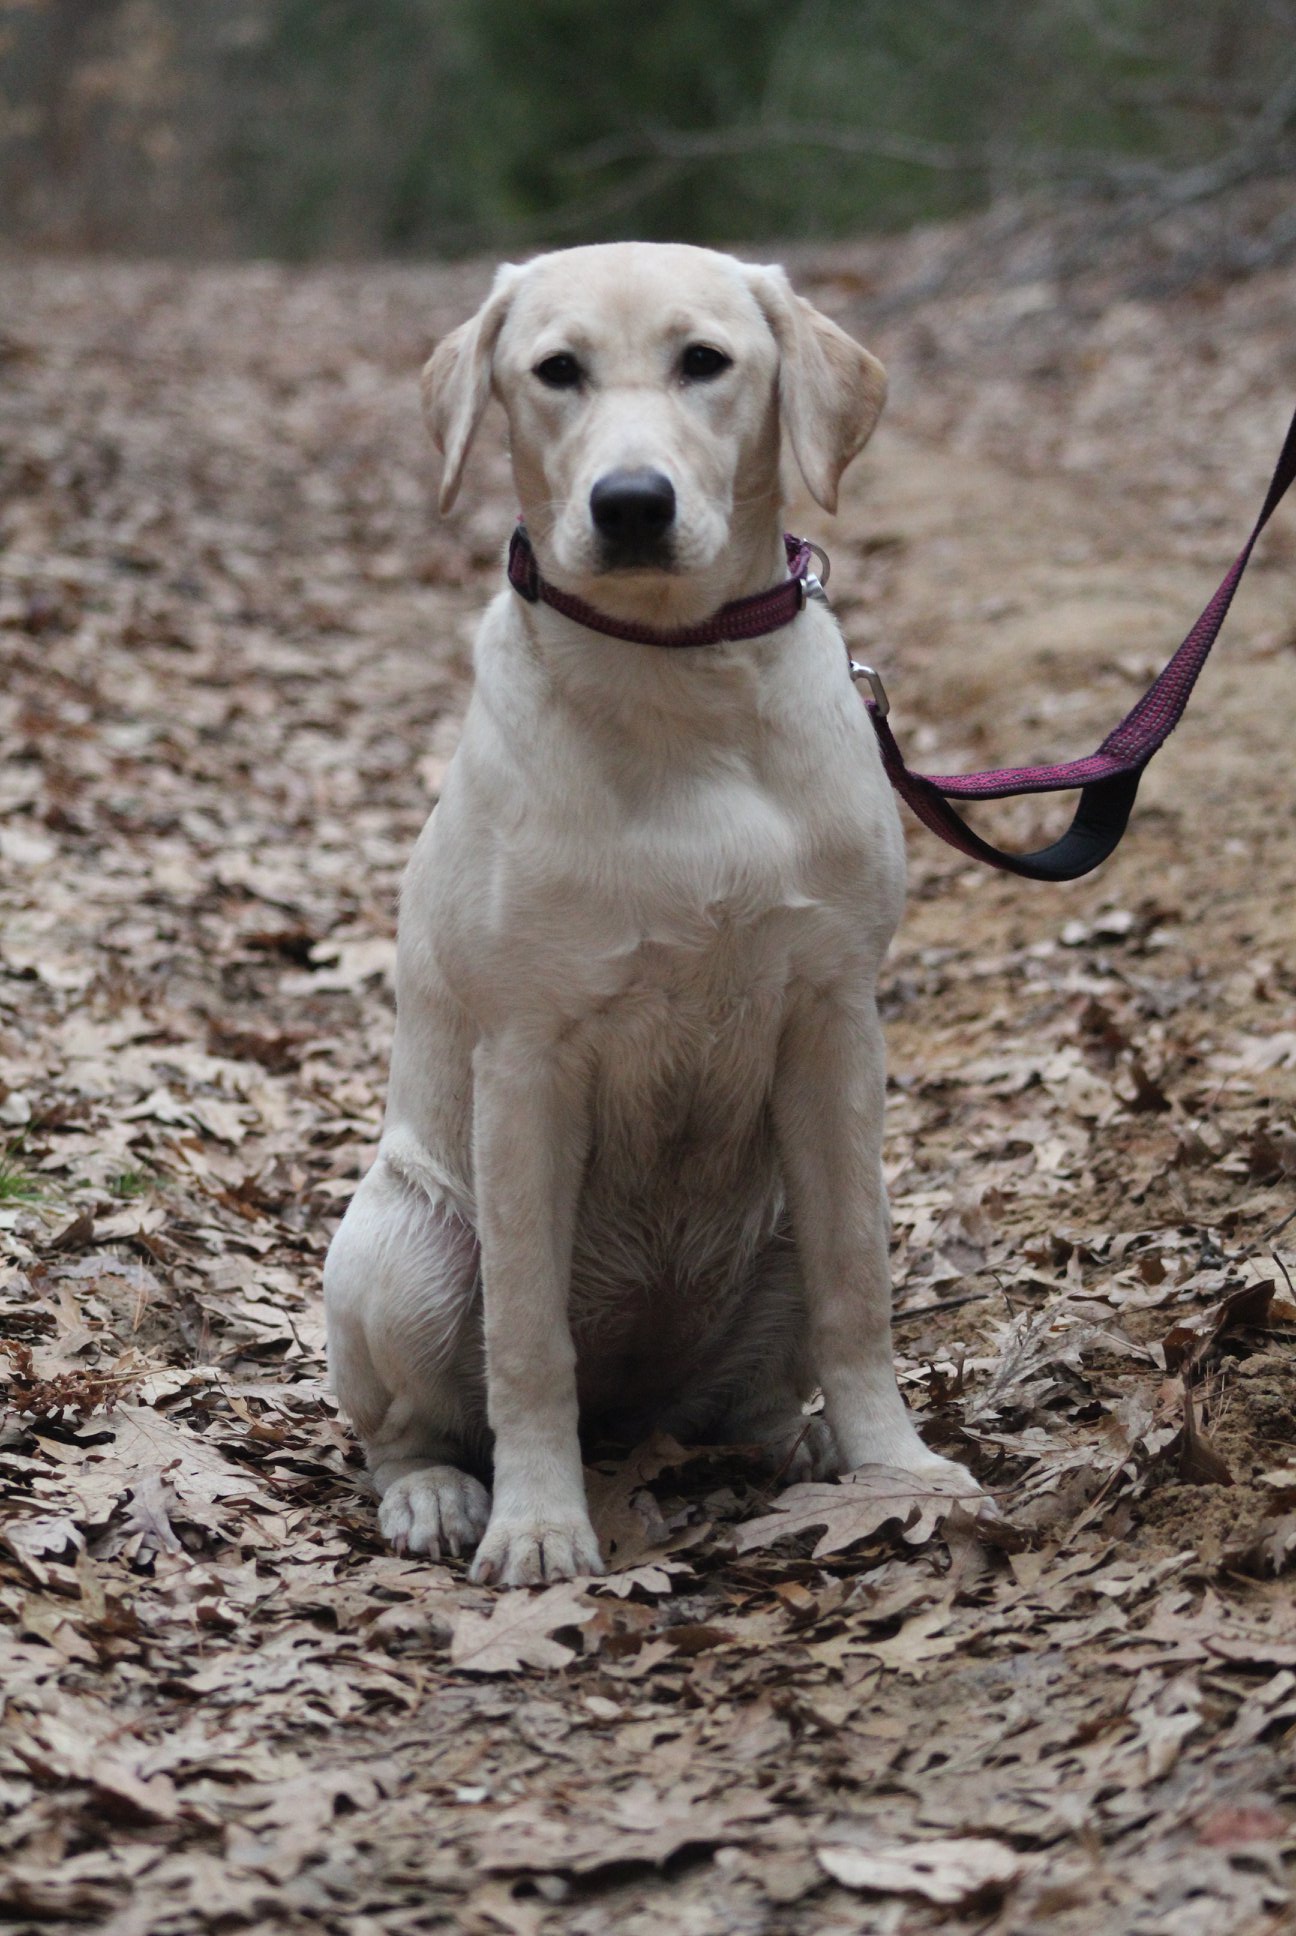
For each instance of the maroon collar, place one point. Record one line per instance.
(744, 618)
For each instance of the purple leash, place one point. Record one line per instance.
(1109, 778)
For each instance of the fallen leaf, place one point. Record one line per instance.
(1199, 1462)
(1269, 1548)
(1238, 1827)
(856, 1507)
(638, 1824)
(517, 1632)
(959, 1871)
(1192, 1340)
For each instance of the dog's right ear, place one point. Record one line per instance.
(456, 381)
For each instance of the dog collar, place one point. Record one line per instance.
(743, 618)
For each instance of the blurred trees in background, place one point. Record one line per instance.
(358, 127)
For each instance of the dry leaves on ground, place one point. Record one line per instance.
(235, 648)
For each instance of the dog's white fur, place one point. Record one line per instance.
(631, 1168)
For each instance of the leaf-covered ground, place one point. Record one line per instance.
(235, 645)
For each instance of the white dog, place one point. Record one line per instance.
(631, 1168)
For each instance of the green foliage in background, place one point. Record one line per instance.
(300, 127)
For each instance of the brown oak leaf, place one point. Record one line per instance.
(855, 1507)
(518, 1630)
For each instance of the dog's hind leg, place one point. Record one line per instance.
(772, 1377)
(796, 1445)
(402, 1298)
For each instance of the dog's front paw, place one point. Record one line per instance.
(899, 1447)
(435, 1510)
(533, 1552)
(943, 1475)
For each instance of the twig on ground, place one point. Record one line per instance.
(942, 1304)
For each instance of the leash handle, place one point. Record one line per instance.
(1109, 778)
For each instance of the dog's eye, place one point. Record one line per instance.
(700, 362)
(561, 372)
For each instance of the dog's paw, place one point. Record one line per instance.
(900, 1448)
(533, 1552)
(942, 1475)
(435, 1510)
(802, 1448)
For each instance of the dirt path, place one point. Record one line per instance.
(234, 645)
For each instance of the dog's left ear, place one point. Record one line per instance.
(831, 391)
(456, 381)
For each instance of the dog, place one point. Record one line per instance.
(630, 1174)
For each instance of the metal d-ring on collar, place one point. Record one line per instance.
(815, 584)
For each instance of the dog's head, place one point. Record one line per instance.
(647, 389)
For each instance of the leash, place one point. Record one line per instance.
(1108, 779)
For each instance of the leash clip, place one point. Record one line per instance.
(875, 686)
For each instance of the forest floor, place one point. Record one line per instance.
(236, 647)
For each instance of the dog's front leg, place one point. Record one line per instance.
(529, 1145)
(828, 1100)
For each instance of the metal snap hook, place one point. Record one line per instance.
(874, 679)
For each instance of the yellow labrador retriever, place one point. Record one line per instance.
(631, 1169)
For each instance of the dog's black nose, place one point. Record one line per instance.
(633, 511)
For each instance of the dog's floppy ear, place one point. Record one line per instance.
(831, 391)
(456, 381)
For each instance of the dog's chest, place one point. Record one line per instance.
(683, 1054)
(721, 911)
